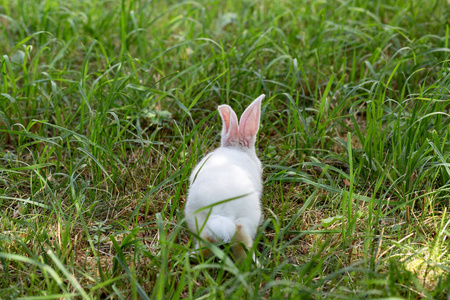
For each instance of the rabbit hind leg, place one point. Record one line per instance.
(242, 238)
(204, 250)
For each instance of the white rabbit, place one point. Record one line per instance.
(223, 202)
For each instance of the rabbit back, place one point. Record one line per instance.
(225, 173)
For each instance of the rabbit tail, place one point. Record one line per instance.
(219, 229)
(222, 229)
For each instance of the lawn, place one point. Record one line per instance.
(106, 106)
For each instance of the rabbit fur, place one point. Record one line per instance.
(223, 202)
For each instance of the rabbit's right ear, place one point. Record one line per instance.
(230, 129)
(249, 123)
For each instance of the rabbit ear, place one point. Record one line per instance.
(230, 129)
(249, 123)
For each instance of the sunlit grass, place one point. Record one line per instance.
(106, 106)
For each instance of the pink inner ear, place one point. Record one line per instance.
(230, 130)
(249, 123)
(224, 111)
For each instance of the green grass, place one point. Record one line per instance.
(106, 106)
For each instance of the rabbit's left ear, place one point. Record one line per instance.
(230, 129)
(249, 123)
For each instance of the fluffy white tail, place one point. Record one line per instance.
(219, 229)
(222, 229)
